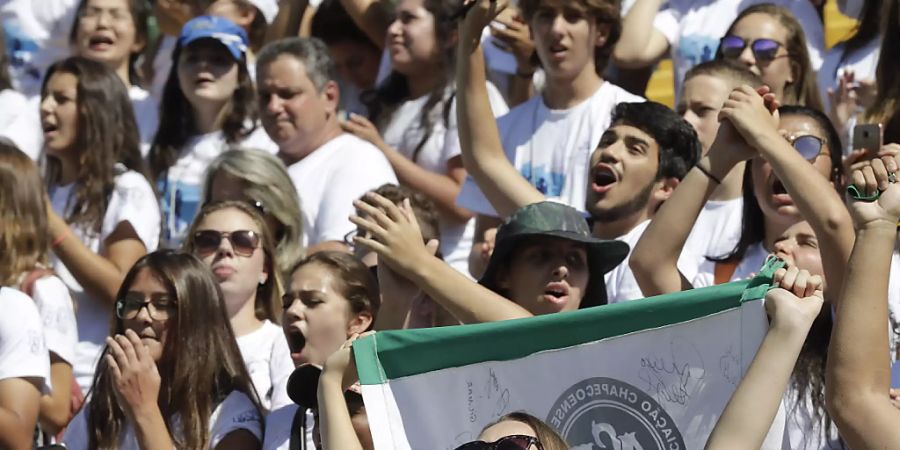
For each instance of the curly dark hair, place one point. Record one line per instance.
(679, 147)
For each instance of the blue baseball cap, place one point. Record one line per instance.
(232, 36)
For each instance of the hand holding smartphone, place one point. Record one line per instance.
(867, 136)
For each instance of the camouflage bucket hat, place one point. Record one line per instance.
(556, 220)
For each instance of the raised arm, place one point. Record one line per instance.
(655, 257)
(482, 151)
(335, 426)
(792, 308)
(371, 16)
(858, 372)
(638, 47)
(395, 236)
(814, 195)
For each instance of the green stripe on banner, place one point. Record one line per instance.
(394, 354)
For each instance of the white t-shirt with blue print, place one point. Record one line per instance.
(181, 187)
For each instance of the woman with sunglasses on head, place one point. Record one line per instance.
(259, 178)
(232, 238)
(209, 104)
(332, 297)
(171, 375)
(103, 212)
(115, 33)
(768, 39)
(791, 210)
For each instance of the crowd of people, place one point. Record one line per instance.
(204, 203)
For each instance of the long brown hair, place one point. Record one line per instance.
(201, 363)
(5, 80)
(886, 74)
(176, 122)
(803, 90)
(268, 295)
(107, 136)
(23, 213)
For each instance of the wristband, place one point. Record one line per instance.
(707, 173)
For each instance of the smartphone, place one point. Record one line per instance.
(867, 136)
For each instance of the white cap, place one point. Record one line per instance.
(268, 8)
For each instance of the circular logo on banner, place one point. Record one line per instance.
(603, 413)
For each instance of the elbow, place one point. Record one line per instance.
(838, 220)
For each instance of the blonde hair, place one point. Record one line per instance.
(266, 181)
(24, 240)
(268, 296)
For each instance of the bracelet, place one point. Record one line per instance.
(59, 239)
(707, 173)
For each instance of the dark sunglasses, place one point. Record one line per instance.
(244, 242)
(763, 49)
(809, 146)
(513, 442)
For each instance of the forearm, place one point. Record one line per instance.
(819, 204)
(393, 313)
(16, 432)
(287, 23)
(482, 151)
(55, 408)
(655, 257)
(335, 427)
(858, 362)
(440, 188)
(371, 16)
(150, 429)
(754, 404)
(99, 276)
(467, 301)
(640, 44)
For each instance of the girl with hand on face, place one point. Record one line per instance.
(23, 266)
(332, 297)
(102, 214)
(171, 375)
(114, 32)
(413, 117)
(768, 39)
(209, 104)
(232, 238)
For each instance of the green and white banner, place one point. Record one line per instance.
(649, 374)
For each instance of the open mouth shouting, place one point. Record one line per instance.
(296, 342)
(557, 293)
(779, 193)
(100, 42)
(603, 178)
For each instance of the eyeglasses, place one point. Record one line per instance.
(809, 146)
(512, 442)
(160, 307)
(244, 242)
(93, 15)
(763, 49)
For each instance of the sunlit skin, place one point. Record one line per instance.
(565, 39)
(776, 73)
(207, 73)
(153, 333)
(411, 41)
(59, 115)
(106, 32)
(546, 275)
(701, 99)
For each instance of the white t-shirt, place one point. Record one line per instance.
(23, 353)
(279, 426)
(717, 229)
(20, 122)
(552, 148)
(894, 303)
(37, 35)
(620, 283)
(330, 178)
(404, 133)
(132, 201)
(753, 260)
(236, 412)
(268, 359)
(146, 114)
(57, 310)
(693, 29)
(162, 65)
(181, 187)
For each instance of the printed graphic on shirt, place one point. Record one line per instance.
(548, 182)
(696, 49)
(180, 204)
(21, 49)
